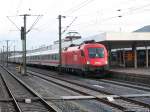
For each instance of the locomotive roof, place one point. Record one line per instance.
(77, 46)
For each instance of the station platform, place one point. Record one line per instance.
(139, 75)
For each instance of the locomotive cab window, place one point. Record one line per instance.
(96, 52)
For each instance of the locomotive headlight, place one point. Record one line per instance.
(106, 62)
(87, 62)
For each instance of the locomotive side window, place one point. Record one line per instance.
(82, 53)
(96, 52)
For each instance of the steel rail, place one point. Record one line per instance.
(51, 107)
(17, 107)
(115, 82)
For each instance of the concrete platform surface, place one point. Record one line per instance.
(140, 71)
(138, 76)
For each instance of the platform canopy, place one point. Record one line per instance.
(125, 40)
(122, 40)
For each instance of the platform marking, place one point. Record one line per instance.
(98, 86)
(111, 99)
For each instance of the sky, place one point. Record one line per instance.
(88, 17)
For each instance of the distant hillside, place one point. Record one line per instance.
(144, 29)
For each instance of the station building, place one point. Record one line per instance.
(126, 49)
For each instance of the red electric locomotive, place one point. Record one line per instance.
(87, 57)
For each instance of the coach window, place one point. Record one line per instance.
(37, 57)
(57, 56)
(52, 56)
(47, 57)
(32, 58)
(43, 57)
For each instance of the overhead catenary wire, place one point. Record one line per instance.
(138, 8)
(76, 8)
(13, 23)
(35, 22)
(79, 6)
(69, 25)
(86, 2)
(120, 15)
(132, 11)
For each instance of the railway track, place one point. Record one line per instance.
(6, 103)
(24, 98)
(126, 84)
(121, 103)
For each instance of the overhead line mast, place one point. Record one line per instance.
(24, 32)
(60, 47)
(23, 38)
(24, 44)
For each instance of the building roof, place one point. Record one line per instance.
(144, 29)
(122, 39)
